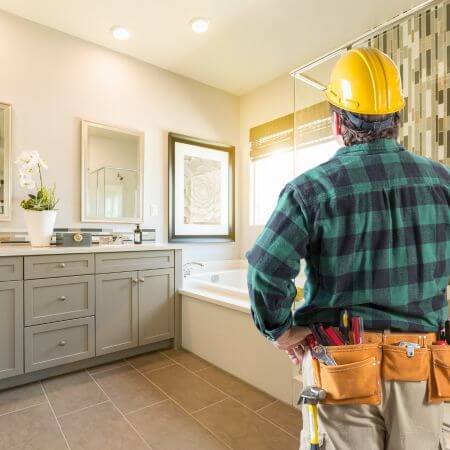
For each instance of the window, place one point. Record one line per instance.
(270, 174)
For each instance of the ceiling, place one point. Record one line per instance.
(249, 43)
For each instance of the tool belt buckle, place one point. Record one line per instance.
(410, 347)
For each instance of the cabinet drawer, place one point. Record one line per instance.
(58, 265)
(11, 268)
(130, 261)
(52, 299)
(58, 343)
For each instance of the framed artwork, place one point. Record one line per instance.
(201, 190)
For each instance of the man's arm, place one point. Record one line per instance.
(274, 262)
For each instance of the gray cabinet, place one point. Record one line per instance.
(53, 299)
(156, 305)
(11, 328)
(128, 261)
(116, 312)
(11, 268)
(53, 344)
(58, 265)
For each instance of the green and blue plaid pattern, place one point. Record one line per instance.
(373, 226)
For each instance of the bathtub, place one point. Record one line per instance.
(217, 326)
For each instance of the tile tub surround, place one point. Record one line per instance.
(92, 409)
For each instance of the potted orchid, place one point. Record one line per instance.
(39, 207)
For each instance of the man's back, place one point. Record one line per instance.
(377, 219)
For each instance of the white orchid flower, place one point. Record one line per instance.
(29, 160)
(26, 180)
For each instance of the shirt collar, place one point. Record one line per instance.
(377, 146)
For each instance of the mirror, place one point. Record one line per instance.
(111, 174)
(5, 161)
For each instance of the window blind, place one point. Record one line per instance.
(311, 124)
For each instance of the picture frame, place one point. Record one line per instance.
(201, 190)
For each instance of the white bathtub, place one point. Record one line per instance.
(217, 325)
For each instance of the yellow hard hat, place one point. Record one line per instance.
(366, 81)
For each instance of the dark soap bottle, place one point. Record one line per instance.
(138, 235)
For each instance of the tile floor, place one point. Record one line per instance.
(169, 400)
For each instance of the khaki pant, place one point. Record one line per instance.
(403, 421)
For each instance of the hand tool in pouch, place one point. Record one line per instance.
(357, 330)
(320, 353)
(343, 326)
(311, 396)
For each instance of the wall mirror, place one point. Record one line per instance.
(112, 174)
(5, 161)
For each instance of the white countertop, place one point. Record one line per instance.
(27, 250)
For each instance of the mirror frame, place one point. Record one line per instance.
(7, 164)
(85, 125)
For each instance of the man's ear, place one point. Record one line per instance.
(337, 128)
(337, 124)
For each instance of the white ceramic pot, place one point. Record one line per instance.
(40, 226)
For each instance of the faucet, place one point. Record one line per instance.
(188, 266)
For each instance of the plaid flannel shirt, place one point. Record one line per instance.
(373, 226)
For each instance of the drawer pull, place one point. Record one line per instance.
(63, 298)
(134, 280)
(62, 343)
(61, 265)
(141, 280)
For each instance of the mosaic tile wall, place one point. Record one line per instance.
(420, 45)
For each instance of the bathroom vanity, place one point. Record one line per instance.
(63, 309)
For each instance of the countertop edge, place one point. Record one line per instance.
(26, 250)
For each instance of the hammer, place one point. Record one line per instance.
(311, 396)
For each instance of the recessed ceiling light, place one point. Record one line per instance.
(199, 25)
(120, 33)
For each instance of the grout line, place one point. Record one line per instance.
(23, 409)
(145, 407)
(185, 367)
(121, 413)
(202, 369)
(186, 411)
(212, 404)
(242, 404)
(54, 415)
(153, 370)
(82, 409)
(266, 406)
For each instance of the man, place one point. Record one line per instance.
(372, 225)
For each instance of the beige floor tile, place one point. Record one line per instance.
(74, 391)
(165, 426)
(100, 427)
(187, 359)
(248, 395)
(33, 428)
(285, 416)
(108, 366)
(190, 391)
(21, 397)
(128, 389)
(242, 429)
(150, 361)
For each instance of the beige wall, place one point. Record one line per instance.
(273, 100)
(53, 80)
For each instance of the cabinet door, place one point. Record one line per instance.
(116, 312)
(11, 328)
(156, 305)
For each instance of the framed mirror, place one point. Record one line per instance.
(5, 161)
(112, 174)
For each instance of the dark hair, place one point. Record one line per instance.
(353, 134)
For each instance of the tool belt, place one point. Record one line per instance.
(356, 377)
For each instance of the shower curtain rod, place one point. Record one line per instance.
(298, 72)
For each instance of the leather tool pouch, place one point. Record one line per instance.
(398, 365)
(356, 377)
(439, 380)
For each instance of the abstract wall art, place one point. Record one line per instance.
(201, 190)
